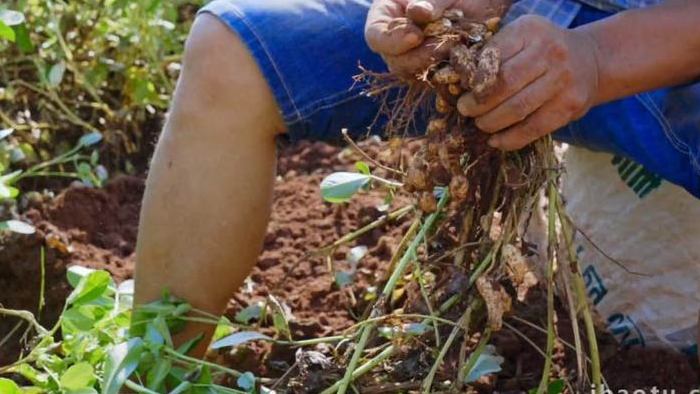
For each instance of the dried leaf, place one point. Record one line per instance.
(498, 302)
(519, 271)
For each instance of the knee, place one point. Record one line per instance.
(211, 43)
(220, 70)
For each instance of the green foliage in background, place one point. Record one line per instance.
(69, 68)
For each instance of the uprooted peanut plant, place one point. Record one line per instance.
(462, 264)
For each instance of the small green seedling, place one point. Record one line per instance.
(339, 187)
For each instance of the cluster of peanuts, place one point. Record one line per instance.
(452, 141)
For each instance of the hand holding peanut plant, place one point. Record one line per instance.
(394, 31)
(548, 78)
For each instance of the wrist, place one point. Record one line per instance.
(596, 67)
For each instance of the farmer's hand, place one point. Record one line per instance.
(548, 78)
(393, 28)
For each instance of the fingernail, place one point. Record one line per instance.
(426, 6)
(466, 105)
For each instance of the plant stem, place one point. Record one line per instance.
(42, 285)
(369, 227)
(407, 257)
(387, 182)
(410, 253)
(404, 241)
(576, 331)
(552, 241)
(363, 369)
(314, 341)
(462, 324)
(426, 319)
(366, 156)
(196, 361)
(138, 388)
(475, 354)
(580, 289)
(483, 265)
(26, 315)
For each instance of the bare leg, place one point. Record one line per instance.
(209, 188)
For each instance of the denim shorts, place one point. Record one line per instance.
(309, 51)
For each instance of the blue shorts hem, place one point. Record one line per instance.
(234, 19)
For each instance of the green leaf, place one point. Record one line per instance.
(56, 74)
(280, 317)
(554, 387)
(78, 376)
(29, 152)
(8, 192)
(9, 387)
(356, 254)
(246, 381)
(487, 363)
(77, 272)
(415, 328)
(4, 133)
(11, 18)
(156, 375)
(6, 32)
(17, 226)
(94, 158)
(223, 328)
(122, 361)
(90, 139)
(343, 279)
(190, 344)
(239, 338)
(161, 326)
(252, 312)
(181, 388)
(91, 287)
(153, 336)
(9, 178)
(22, 39)
(363, 168)
(87, 390)
(31, 374)
(341, 186)
(81, 318)
(388, 332)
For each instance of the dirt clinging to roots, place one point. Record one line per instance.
(97, 228)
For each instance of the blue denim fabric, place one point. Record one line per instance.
(563, 12)
(309, 50)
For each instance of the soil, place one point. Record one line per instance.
(97, 228)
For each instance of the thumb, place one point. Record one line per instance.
(392, 37)
(424, 11)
